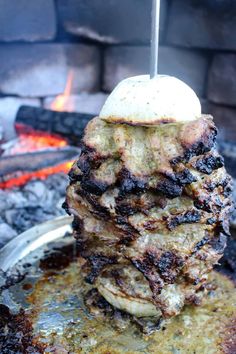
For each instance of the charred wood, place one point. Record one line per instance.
(34, 161)
(66, 124)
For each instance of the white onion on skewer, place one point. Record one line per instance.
(134, 305)
(143, 101)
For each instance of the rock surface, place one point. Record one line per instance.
(225, 119)
(205, 106)
(203, 24)
(8, 109)
(40, 70)
(124, 61)
(23, 20)
(124, 21)
(222, 83)
(83, 103)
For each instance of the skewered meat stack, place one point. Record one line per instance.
(150, 197)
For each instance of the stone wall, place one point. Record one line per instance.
(102, 42)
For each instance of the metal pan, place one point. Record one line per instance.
(33, 239)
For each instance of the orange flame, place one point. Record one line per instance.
(30, 140)
(60, 101)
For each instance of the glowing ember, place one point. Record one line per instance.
(20, 180)
(30, 140)
(60, 102)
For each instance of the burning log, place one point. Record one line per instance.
(34, 154)
(16, 170)
(34, 161)
(66, 124)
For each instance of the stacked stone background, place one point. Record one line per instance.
(102, 42)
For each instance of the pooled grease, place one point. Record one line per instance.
(57, 320)
(206, 329)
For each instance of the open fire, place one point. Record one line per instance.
(60, 102)
(35, 153)
(21, 162)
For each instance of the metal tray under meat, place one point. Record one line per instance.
(44, 292)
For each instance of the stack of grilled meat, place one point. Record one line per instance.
(151, 208)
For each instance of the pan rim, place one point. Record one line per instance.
(32, 239)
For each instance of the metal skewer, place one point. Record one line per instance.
(155, 38)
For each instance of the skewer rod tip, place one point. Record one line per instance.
(155, 38)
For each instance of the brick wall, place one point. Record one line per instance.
(102, 42)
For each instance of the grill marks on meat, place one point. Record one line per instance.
(165, 266)
(187, 217)
(93, 200)
(209, 163)
(198, 138)
(97, 264)
(169, 188)
(155, 198)
(129, 184)
(144, 167)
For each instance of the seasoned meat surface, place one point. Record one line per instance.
(155, 200)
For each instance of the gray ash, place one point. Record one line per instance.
(36, 202)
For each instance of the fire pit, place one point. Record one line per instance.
(34, 164)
